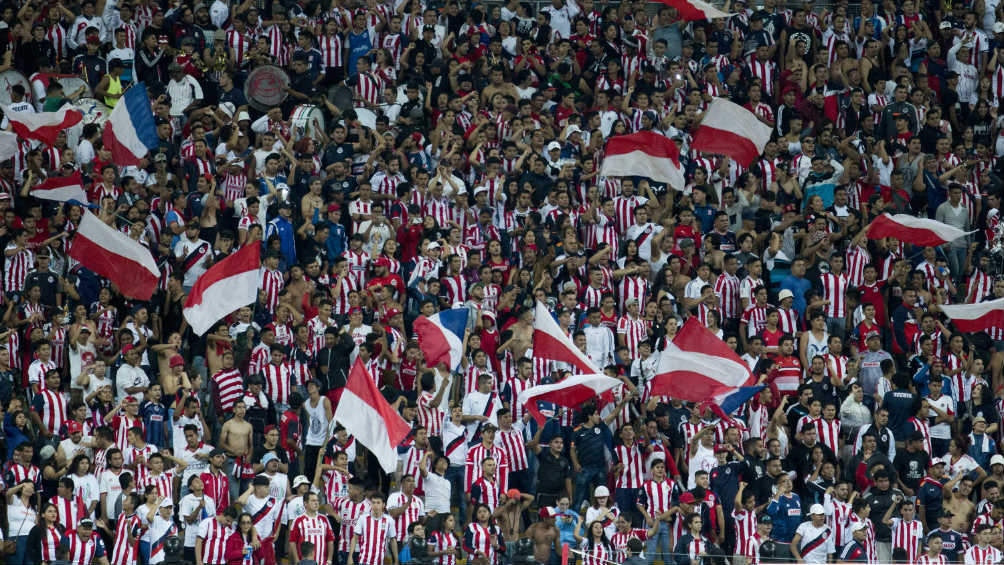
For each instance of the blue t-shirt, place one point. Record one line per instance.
(786, 512)
(359, 45)
(798, 287)
(154, 416)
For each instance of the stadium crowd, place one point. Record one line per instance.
(427, 155)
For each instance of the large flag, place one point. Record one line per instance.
(365, 414)
(644, 154)
(911, 229)
(62, 189)
(130, 131)
(115, 256)
(569, 393)
(698, 366)
(225, 287)
(43, 126)
(729, 129)
(691, 10)
(441, 337)
(976, 317)
(549, 342)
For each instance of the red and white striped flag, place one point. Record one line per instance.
(43, 126)
(691, 10)
(549, 342)
(644, 154)
(365, 414)
(696, 365)
(570, 393)
(225, 287)
(729, 129)
(62, 189)
(115, 256)
(976, 317)
(911, 229)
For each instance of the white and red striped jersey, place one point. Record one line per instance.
(658, 495)
(828, 432)
(229, 388)
(755, 318)
(727, 289)
(834, 287)
(349, 512)
(619, 542)
(624, 207)
(126, 548)
(316, 530)
(368, 89)
(214, 540)
(413, 511)
(598, 554)
(977, 555)
(271, 283)
(512, 444)
(478, 538)
(939, 559)
(358, 263)
(131, 457)
(54, 412)
(50, 541)
(869, 544)
(83, 552)
(445, 541)
(477, 454)
(430, 416)
(239, 43)
(836, 518)
(332, 50)
(69, 510)
(412, 466)
(632, 472)
(278, 381)
(16, 268)
(164, 483)
(634, 330)
(745, 524)
(635, 287)
(122, 424)
(765, 71)
(373, 533)
(908, 536)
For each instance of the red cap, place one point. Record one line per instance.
(687, 498)
(334, 207)
(74, 427)
(127, 348)
(381, 262)
(355, 309)
(269, 428)
(547, 512)
(513, 493)
(721, 448)
(269, 327)
(177, 361)
(131, 399)
(390, 314)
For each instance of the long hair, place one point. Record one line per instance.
(591, 540)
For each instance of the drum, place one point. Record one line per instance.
(265, 87)
(94, 112)
(72, 83)
(8, 79)
(305, 121)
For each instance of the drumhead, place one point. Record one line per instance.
(264, 87)
(71, 83)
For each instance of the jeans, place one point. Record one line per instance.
(626, 499)
(144, 552)
(956, 260)
(836, 326)
(584, 481)
(658, 545)
(455, 474)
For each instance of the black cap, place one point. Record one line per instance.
(216, 452)
(765, 519)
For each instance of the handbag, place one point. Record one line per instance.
(8, 547)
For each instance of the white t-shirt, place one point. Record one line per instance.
(188, 505)
(20, 518)
(80, 355)
(86, 488)
(437, 493)
(179, 443)
(947, 405)
(128, 376)
(810, 534)
(110, 487)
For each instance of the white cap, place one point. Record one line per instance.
(998, 27)
(166, 503)
(553, 145)
(433, 245)
(859, 525)
(300, 480)
(785, 293)
(817, 509)
(572, 129)
(997, 460)
(228, 108)
(601, 491)
(945, 25)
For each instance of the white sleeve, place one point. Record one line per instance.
(260, 125)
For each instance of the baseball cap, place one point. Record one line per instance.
(177, 361)
(601, 491)
(74, 427)
(979, 419)
(166, 503)
(269, 457)
(513, 493)
(997, 460)
(766, 519)
(300, 480)
(817, 509)
(553, 145)
(131, 399)
(785, 293)
(687, 498)
(858, 526)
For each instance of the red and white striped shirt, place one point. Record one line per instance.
(834, 287)
(349, 512)
(658, 495)
(214, 540)
(829, 432)
(908, 536)
(599, 554)
(632, 472)
(229, 388)
(620, 540)
(316, 530)
(511, 442)
(332, 51)
(939, 559)
(482, 539)
(745, 523)
(127, 532)
(479, 453)
(164, 483)
(373, 536)
(634, 330)
(50, 541)
(271, 283)
(131, 455)
(53, 410)
(70, 511)
(727, 289)
(83, 552)
(445, 541)
(368, 90)
(278, 381)
(977, 555)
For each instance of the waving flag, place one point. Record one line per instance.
(225, 287)
(910, 229)
(569, 393)
(115, 256)
(697, 366)
(43, 126)
(691, 10)
(62, 189)
(644, 154)
(130, 131)
(441, 337)
(550, 342)
(365, 414)
(976, 317)
(730, 401)
(729, 129)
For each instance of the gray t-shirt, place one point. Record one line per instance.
(871, 369)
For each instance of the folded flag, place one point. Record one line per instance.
(570, 393)
(225, 287)
(43, 126)
(367, 416)
(910, 229)
(441, 337)
(115, 256)
(697, 366)
(729, 129)
(691, 10)
(130, 131)
(550, 342)
(62, 189)
(976, 317)
(644, 154)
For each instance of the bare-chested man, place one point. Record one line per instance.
(235, 440)
(509, 514)
(957, 502)
(545, 536)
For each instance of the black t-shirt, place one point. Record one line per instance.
(552, 472)
(911, 467)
